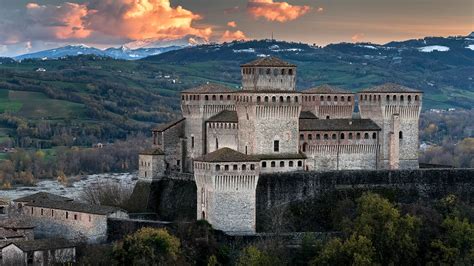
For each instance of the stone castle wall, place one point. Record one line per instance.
(220, 135)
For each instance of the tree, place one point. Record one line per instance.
(252, 256)
(148, 246)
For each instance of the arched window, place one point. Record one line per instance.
(217, 144)
(273, 99)
(388, 98)
(342, 136)
(264, 164)
(327, 117)
(321, 98)
(282, 164)
(349, 99)
(218, 167)
(300, 163)
(288, 99)
(365, 97)
(358, 136)
(268, 71)
(329, 98)
(266, 99)
(416, 98)
(318, 136)
(290, 72)
(342, 98)
(335, 98)
(409, 98)
(326, 136)
(296, 99)
(182, 97)
(366, 136)
(260, 71)
(305, 146)
(401, 98)
(221, 97)
(314, 98)
(350, 136)
(394, 97)
(228, 98)
(252, 167)
(213, 97)
(334, 136)
(400, 135)
(259, 99)
(290, 163)
(272, 164)
(283, 71)
(310, 136)
(226, 167)
(281, 99)
(374, 135)
(244, 167)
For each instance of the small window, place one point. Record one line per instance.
(416, 98)
(358, 136)
(218, 167)
(273, 164)
(290, 72)
(281, 99)
(226, 167)
(290, 163)
(282, 164)
(321, 98)
(276, 146)
(329, 98)
(318, 136)
(268, 71)
(67, 215)
(206, 98)
(388, 98)
(52, 213)
(264, 164)
(244, 167)
(335, 98)
(259, 99)
(327, 117)
(400, 135)
(266, 99)
(252, 167)
(228, 97)
(273, 99)
(214, 97)
(296, 99)
(288, 99)
(310, 136)
(334, 136)
(90, 218)
(75, 216)
(342, 136)
(409, 98)
(366, 136)
(192, 142)
(235, 167)
(349, 99)
(300, 163)
(301, 136)
(374, 135)
(350, 136)
(326, 136)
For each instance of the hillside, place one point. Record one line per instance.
(87, 99)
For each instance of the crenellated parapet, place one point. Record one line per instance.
(328, 102)
(268, 73)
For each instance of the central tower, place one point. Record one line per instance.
(268, 109)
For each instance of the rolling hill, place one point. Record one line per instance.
(85, 99)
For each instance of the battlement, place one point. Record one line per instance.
(268, 73)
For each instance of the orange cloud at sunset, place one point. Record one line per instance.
(142, 19)
(232, 24)
(275, 11)
(229, 36)
(62, 22)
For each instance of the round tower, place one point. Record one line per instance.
(268, 108)
(396, 110)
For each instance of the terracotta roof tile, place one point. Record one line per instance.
(225, 116)
(12, 223)
(268, 62)
(338, 124)
(42, 244)
(227, 155)
(391, 87)
(168, 125)
(327, 89)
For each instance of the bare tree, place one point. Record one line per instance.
(107, 193)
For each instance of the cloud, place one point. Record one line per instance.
(320, 9)
(229, 36)
(142, 19)
(275, 11)
(357, 37)
(232, 24)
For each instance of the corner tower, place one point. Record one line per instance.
(268, 109)
(396, 110)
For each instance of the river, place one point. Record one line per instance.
(72, 191)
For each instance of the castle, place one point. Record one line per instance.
(227, 137)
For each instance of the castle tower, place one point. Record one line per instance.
(396, 109)
(151, 165)
(268, 109)
(329, 102)
(226, 182)
(198, 105)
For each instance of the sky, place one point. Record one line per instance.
(33, 25)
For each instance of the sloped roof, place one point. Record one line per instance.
(209, 88)
(42, 244)
(156, 151)
(307, 115)
(42, 196)
(225, 116)
(227, 155)
(166, 126)
(327, 89)
(391, 87)
(270, 61)
(76, 207)
(338, 125)
(9, 234)
(12, 223)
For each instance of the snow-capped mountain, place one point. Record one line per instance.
(130, 51)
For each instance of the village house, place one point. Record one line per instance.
(14, 229)
(38, 252)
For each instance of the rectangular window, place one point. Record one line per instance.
(276, 146)
(75, 216)
(192, 142)
(301, 136)
(310, 136)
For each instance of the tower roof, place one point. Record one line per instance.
(391, 87)
(209, 88)
(327, 89)
(270, 61)
(227, 155)
(225, 116)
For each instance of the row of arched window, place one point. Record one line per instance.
(235, 167)
(275, 99)
(197, 97)
(268, 71)
(388, 98)
(223, 125)
(328, 98)
(318, 136)
(282, 164)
